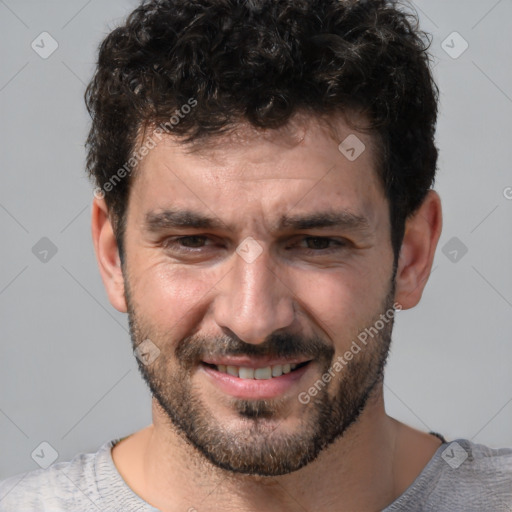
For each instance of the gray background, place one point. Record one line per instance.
(67, 374)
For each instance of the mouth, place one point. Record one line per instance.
(256, 379)
(260, 373)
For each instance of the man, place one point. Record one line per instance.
(263, 209)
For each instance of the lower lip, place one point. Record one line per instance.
(254, 388)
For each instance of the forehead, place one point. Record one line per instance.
(300, 162)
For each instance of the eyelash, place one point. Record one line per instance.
(172, 241)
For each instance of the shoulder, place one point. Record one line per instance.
(461, 477)
(489, 468)
(57, 488)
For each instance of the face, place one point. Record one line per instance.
(254, 267)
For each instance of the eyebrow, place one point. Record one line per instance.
(157, 221)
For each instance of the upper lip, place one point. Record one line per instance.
(261, 362)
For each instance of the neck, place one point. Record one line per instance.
(374, 453)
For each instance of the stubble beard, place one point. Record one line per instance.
(259, 445)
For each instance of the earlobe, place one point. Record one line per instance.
(107, 254)
(422, 232)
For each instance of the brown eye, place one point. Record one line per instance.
(183, 243)
(318, 242)
(319, 246)
(191, 241)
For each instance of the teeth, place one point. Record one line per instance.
(232, 370)
(244, 372)
(277, 370)
(263, 373)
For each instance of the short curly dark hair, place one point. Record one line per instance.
(263, 61)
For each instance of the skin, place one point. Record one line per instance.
(248, 180)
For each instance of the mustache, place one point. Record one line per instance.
(191, 350)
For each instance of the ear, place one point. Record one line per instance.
(107, 254)
(422, 232)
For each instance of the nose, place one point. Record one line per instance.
(253, 300)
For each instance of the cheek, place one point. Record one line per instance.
(174, 297)
(341, 301)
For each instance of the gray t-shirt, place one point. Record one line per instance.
(460, 477)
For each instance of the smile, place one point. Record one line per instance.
(265, 373)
